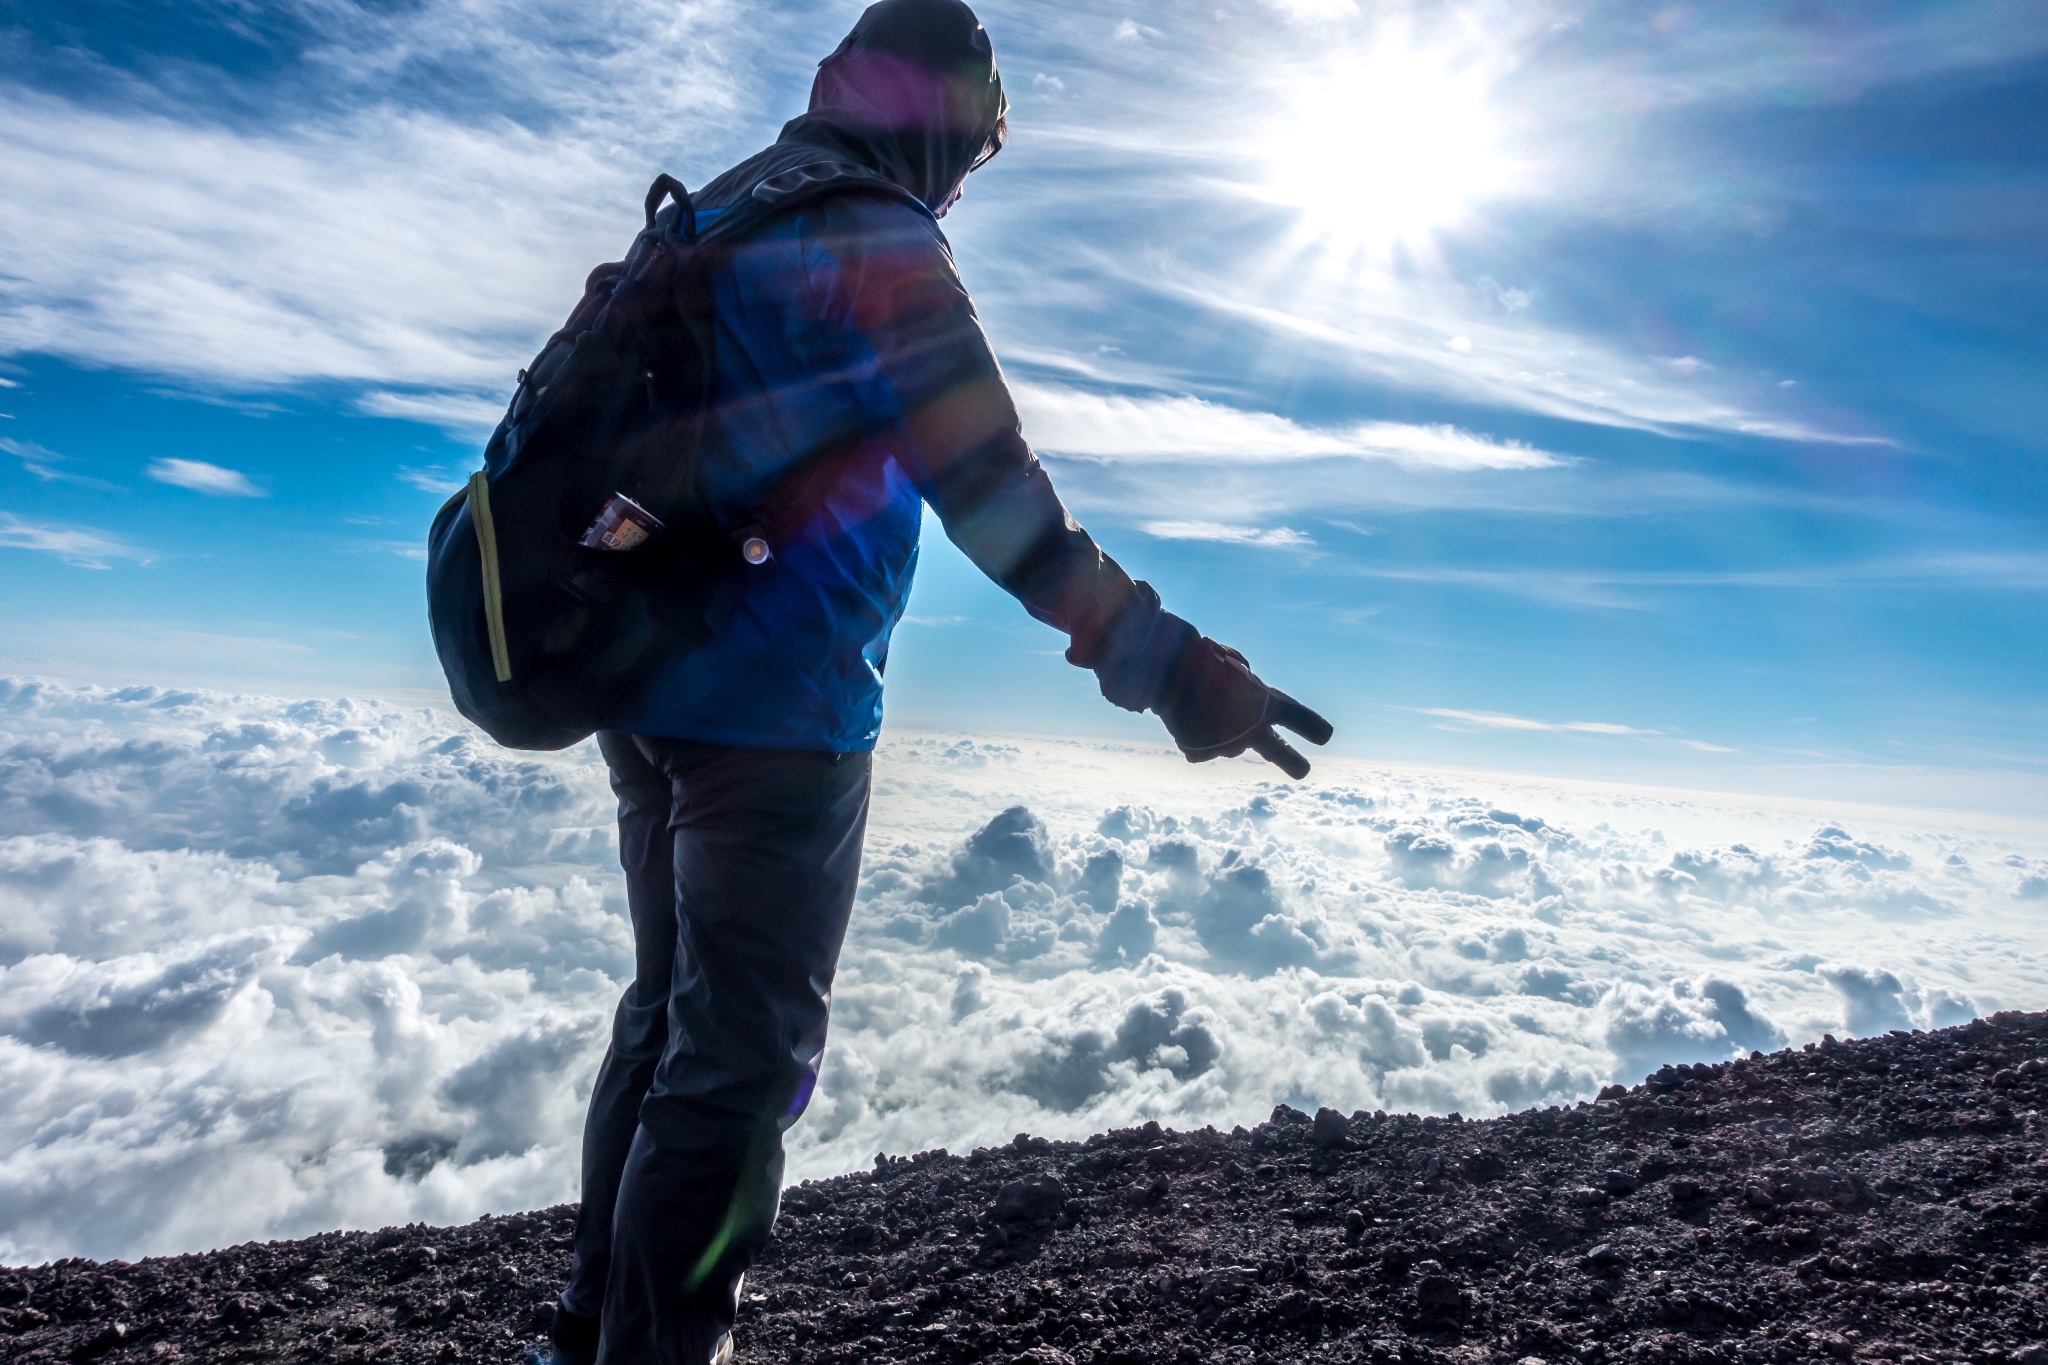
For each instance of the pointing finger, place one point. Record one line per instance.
(1282, 709)
(1279, 753)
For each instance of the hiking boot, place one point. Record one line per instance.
(709, 1344)
(572, 1340)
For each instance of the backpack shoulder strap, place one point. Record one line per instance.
(770, 521)
(792, 188)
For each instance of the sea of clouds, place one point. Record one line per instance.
(269, 967)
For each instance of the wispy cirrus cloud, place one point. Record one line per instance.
(79, 546)
(460, 414)
(38, 461)
(1180, 427)
(427, 227)
(405, 549)
(2007, 570)
(350, 251)
(1275, 537)
(435, 480)
(1495, 720)
(202, 477)
(1406, 333)
(48, 465)
(1197, 142)
(1772, 54)
(1458, 718)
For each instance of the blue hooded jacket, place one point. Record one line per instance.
(843, 330)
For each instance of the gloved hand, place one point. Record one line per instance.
(1214, 706)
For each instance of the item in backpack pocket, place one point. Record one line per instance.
(622, 525)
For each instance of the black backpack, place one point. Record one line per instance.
(544, 636)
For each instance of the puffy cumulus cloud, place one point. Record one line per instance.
(1686, 1021)
(1874, 1001)
(2033, 879)
(268, 967)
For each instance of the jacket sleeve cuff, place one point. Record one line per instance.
(1136, 657)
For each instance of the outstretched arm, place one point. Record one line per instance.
(997, 504)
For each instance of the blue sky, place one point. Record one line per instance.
(1611, 390)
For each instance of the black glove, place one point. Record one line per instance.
(1215, 707)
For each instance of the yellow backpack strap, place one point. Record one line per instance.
(494, 597)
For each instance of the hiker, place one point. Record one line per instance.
(743, 774)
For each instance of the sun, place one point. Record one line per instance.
(1384, 147)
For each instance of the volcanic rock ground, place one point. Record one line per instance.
(1883, 1200)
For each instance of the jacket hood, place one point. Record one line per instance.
(913, 92)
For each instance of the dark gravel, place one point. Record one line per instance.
(1881, 1200)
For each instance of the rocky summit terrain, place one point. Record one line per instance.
(1880, 1200)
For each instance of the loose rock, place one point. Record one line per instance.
(1035, 1198)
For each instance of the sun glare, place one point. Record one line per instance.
(1383, 148)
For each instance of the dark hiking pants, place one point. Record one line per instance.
(740, 873)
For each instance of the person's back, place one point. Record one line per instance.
(847, 345)
(803, 377)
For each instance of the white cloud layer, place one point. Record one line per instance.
(268, 967)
